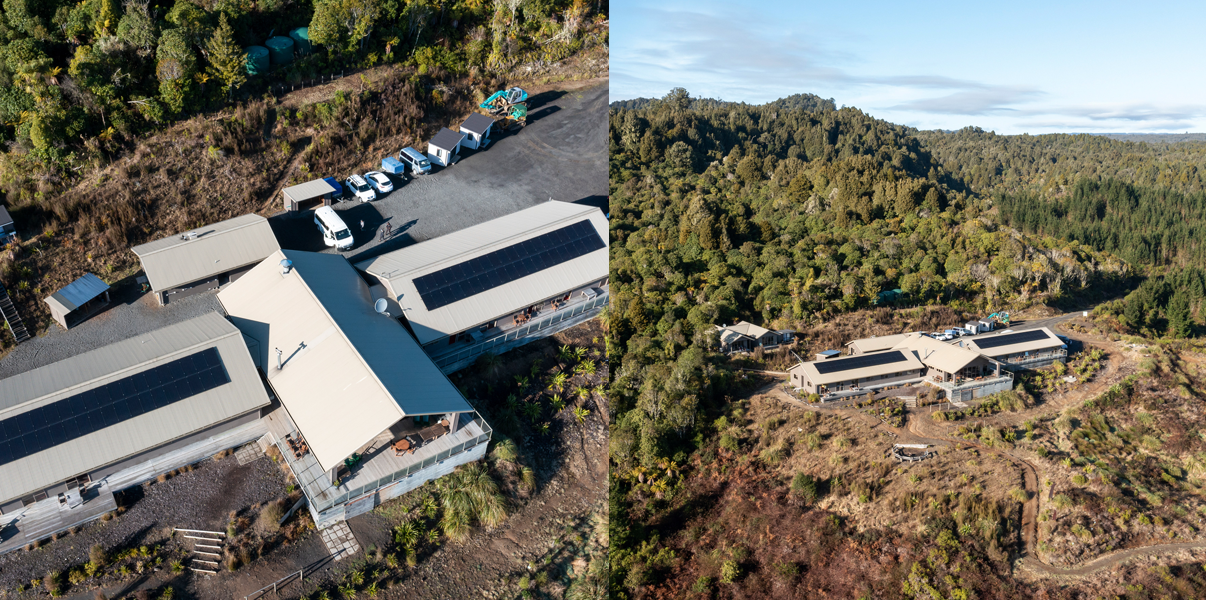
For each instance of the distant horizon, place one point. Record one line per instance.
(1100, 67)
(1152, 133)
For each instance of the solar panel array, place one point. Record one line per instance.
(1011, 338)
(505, 265)
(87, 412)
(837, 365)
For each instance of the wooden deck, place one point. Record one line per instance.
(48, 517)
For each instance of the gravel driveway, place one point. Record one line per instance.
(561, 154)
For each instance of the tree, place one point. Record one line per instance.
(175, 69)
(227, 62)
(1180, 322)
(106, 18)
(333, 19)
(136, 28)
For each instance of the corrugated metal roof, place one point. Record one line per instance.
(744, 328)
(477, 123)
(176, 260)
(89, 370)
(1051, 342)
(447, 139)
(77, 293)
(309, 190)
(349, 373)
(876, 344)
(399, 269)
(5, 218)
(936, 354)
(809, 369)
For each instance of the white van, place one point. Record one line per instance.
(334, 231)
(415, 160)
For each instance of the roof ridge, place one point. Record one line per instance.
(355, 350)
(180, 242)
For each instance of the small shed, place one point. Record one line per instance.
(79, 300)
(444, 147)
(972, 326)
(477, 130)
(828, 354)
(310, 194)
(203, 259)
(986, 325)
(7, 228)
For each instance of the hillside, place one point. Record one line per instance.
(797, 217)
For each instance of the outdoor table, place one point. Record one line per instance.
(433, 432)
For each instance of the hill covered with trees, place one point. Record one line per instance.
(792, 213)
(79, 79)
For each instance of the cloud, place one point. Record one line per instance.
(988, 100)
(743, 54)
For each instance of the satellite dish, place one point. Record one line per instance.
(381, 305)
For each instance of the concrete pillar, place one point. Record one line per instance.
(334, 474)
(453, 421)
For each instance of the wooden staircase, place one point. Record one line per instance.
(206, 550)
(11, 317)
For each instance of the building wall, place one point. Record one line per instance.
(149, 455)
(163, 458)
(799, 380)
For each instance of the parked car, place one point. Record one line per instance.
(360, 188)
(334, 232)
(380, 182)
(417, 161)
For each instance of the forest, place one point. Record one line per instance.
(80, 80)
(791, 213)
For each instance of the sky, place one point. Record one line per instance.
(1010, 67)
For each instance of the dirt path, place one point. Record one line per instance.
(920, 430)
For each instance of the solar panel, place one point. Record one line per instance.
(88, 412)
(837, 365)
(1011, 338)
(502, 266)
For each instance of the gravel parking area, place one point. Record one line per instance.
(199, 499)
(131, 313)
(560, 154)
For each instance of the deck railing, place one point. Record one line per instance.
(522, 331)
(324, 496)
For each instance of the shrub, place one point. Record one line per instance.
(76, 576)
(805, 486)
(1079, 479)
(787, 570)
(701, 585)
(270, 516)
(729, 443)
(51, 582)
(729, 571)
(98, 556)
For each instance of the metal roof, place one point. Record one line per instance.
(876, 344)
(83, 372)
(206, 251)
(399, 269)
(477, 123)
(349, 373)
(308, 190)
(447, 139)
(1025, 343)
(5, 218)
(905, 361)
(936, 354)
(77, 293)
